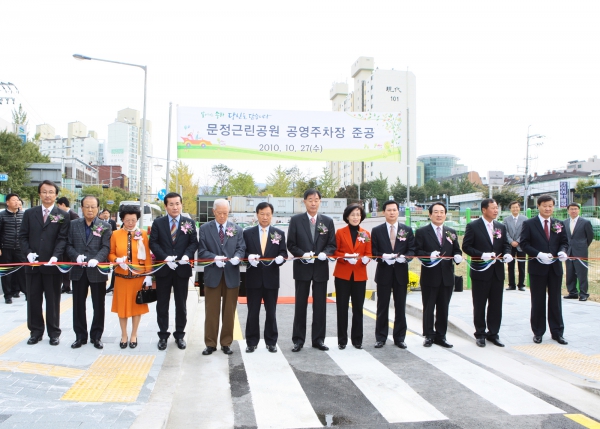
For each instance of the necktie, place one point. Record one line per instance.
(313, 220)
(221, 233)
(491, 232)
(547, 230)
(263, 241)
(45, 215)
(572, 225)
(439, 235)
(393, 236)
(173, 229)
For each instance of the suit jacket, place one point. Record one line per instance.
(210, 246)
(262, 275)
(533, 241)
(47, 239)
(162, 245)
(300, 241)
(118, 249)
(582, 237)
(513, 229)
(344, 269)
(93, 247)
(381, 244)
(426, 241)
(113, 224)
(476, 242)
(73, 215)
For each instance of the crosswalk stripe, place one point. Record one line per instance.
(501, 393)
(394, 399)
(278, 398)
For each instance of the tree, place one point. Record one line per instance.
(221, 174)
(583, 192)
(279, 183)
(240, 184)
(350, 192)
(398, 190)
(304, 184)
(328, 184)
(297, 180)
(20, 116)
(377, 188)
(417, 193)
(505, 196)
(432, 188)
(183, 177)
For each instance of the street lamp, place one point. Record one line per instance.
(143, 165)
(526, 186)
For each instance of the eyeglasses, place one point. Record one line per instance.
(48, 193)
(89, 207)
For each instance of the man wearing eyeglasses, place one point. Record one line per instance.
(43, 237)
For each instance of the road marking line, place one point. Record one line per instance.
(501, 393)
(374, 317)
(237, 328)
(278, 398)
(584, 421)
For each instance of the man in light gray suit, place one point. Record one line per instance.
(223, 242)
(88, 242)
(514, 225)
(580, 235)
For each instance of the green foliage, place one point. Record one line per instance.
(221, 173)
(279, 183)
(15, 157)
(240, 184)
(350, 192)
(583, 192)
(505, 196)
(377, 188)
(328, 185)
(182, 181)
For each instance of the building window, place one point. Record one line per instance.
(324, 203)
(249, 203)
(281, 203)
(337, 204)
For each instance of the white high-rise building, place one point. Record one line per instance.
(378, 91)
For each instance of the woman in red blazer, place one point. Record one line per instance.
(353, 253)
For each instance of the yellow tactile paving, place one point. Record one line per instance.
(237, 328)
(21, 333)
(40, 369)
(111, 378)
(584, 421)
(588, 366)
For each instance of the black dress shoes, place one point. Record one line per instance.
(400, 344)
(357, 346)
(583, 298)
(321, 346)
(123, 345)
(496, 342)
(442, 342)
(511, 288)
(427, 342)
(560, 340)
(379, 344)
(208, 350)
(297, 347)
(272, 349)
(180, 343)
(54, 341)
(480, 342)
(522, 288)
(537, 339)
(227, 350)
(98, 344)
(34, 340)
(341, 346)
(78, 343)
(571, 297)
(250, 349)
(8, 300)
(162, 344)
(17, 295)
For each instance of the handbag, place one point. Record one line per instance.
(145, 296)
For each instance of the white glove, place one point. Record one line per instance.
(545, 258)
(185, 260)
(81, 259)
(170, 258)
(219, 261)
(92, 263)
(32, 257)
(562, 256)
(235, 260)
(172, 265)
(308, 257)
(352, 261)
(401, 259)
(148, 281)
(122, 262)
(279, 260)
(487, 256)
(322, 256)
(351, 258)
(434, 255)
(253, 260)
(458, 259)
(508, 258)
(388, 256)
(52, 260)
(366, 260)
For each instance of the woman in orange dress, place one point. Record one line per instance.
(129, 245)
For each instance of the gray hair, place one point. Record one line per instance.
(220, 202)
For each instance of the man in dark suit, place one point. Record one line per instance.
(88, 242)
(514, 225)
(223, 242)
(43, 235)
(173, 238)
(544, 238)
(437, 281)
(262, 280)
(392, 242)
(485, 239)
(64, 204)
(10, 251)
(580, 235)
(311, 234)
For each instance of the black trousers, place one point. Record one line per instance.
(511, 268)
(487, 293)
(539, 285)
(66, 282)
(40, 287)
(13, 283)
(80, 293)
(435, 299)
(163, 299)
(577, 271)
(255, 296)
(319, 294)
(383, 309)
(344, 291)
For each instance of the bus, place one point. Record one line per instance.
(151, 212)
